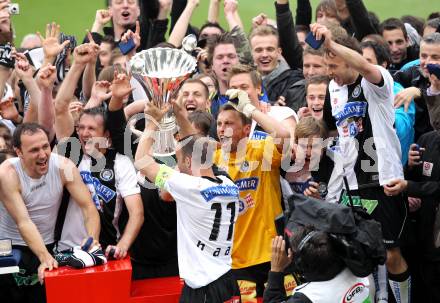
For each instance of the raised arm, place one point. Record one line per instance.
(89, 76)
(303, 12)
(213, 11)
(144, 158)
(81, 195)
(231, 14)
(269, 124)
(46, 112)
(291, 49)
(64, 125)
(25, 72)
(360, 18)
(102, 17)
(51, 46)
(10, 195)
(180, 29)
(352, 58)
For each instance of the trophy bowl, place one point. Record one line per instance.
(161, 72)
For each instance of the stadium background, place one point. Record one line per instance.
(78, 15)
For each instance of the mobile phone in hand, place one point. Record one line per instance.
(280, 223)
(434, 69)
(126, 47)
(311, 40)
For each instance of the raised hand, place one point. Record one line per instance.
(50, 43)
(280, 260)
(100, 93)
(8, 110)
(85, 53)
(261, 19)
(230, 7)
(136, 36)
(103, 16)
(120, 87)
(164, 9)
(152, 112)
(46, 76)
(22, 67)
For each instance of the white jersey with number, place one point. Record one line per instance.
(206, 213)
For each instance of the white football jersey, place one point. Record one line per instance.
(206, 213)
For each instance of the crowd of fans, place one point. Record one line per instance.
(354, 120)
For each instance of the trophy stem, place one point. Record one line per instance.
(165, 143)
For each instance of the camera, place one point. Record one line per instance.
(14, 9)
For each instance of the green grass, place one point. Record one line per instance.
(78, 15)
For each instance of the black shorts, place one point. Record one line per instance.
(23, 287)
(391, 212)
(147, 271)
(224, 289)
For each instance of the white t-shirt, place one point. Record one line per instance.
(74, 230)
(345, 287)
(206, 213)
(352, 119)
(278, 113)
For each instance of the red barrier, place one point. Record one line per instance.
(110, 283)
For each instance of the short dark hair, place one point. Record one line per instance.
(200, 82)
(347, 41)
(315, 258)
(434, 23)
(392, 24)
(433, 15)
(301, 28)
(202, 120)
(381, 51)
(26, 128)
(96, 111)
(205, 146)
(245, 120)
(211, 24)
(319, 79)
(225, 38)
(416, 22)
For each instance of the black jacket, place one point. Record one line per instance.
(291, 49)
(413, 77)
(282, 81)
(424, 183)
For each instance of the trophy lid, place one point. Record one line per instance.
(163, 63)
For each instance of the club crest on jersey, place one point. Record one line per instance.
(247, 183)
(244, 167)
(245, 204)
(358, 293)
(106, 174)
(357, 91)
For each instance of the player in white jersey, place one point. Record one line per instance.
(359, 105)
(207, 208)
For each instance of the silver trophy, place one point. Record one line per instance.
(161, 72)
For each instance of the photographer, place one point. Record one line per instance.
(329, 280)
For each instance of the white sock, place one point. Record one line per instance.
(401, 287)
(380, 280)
